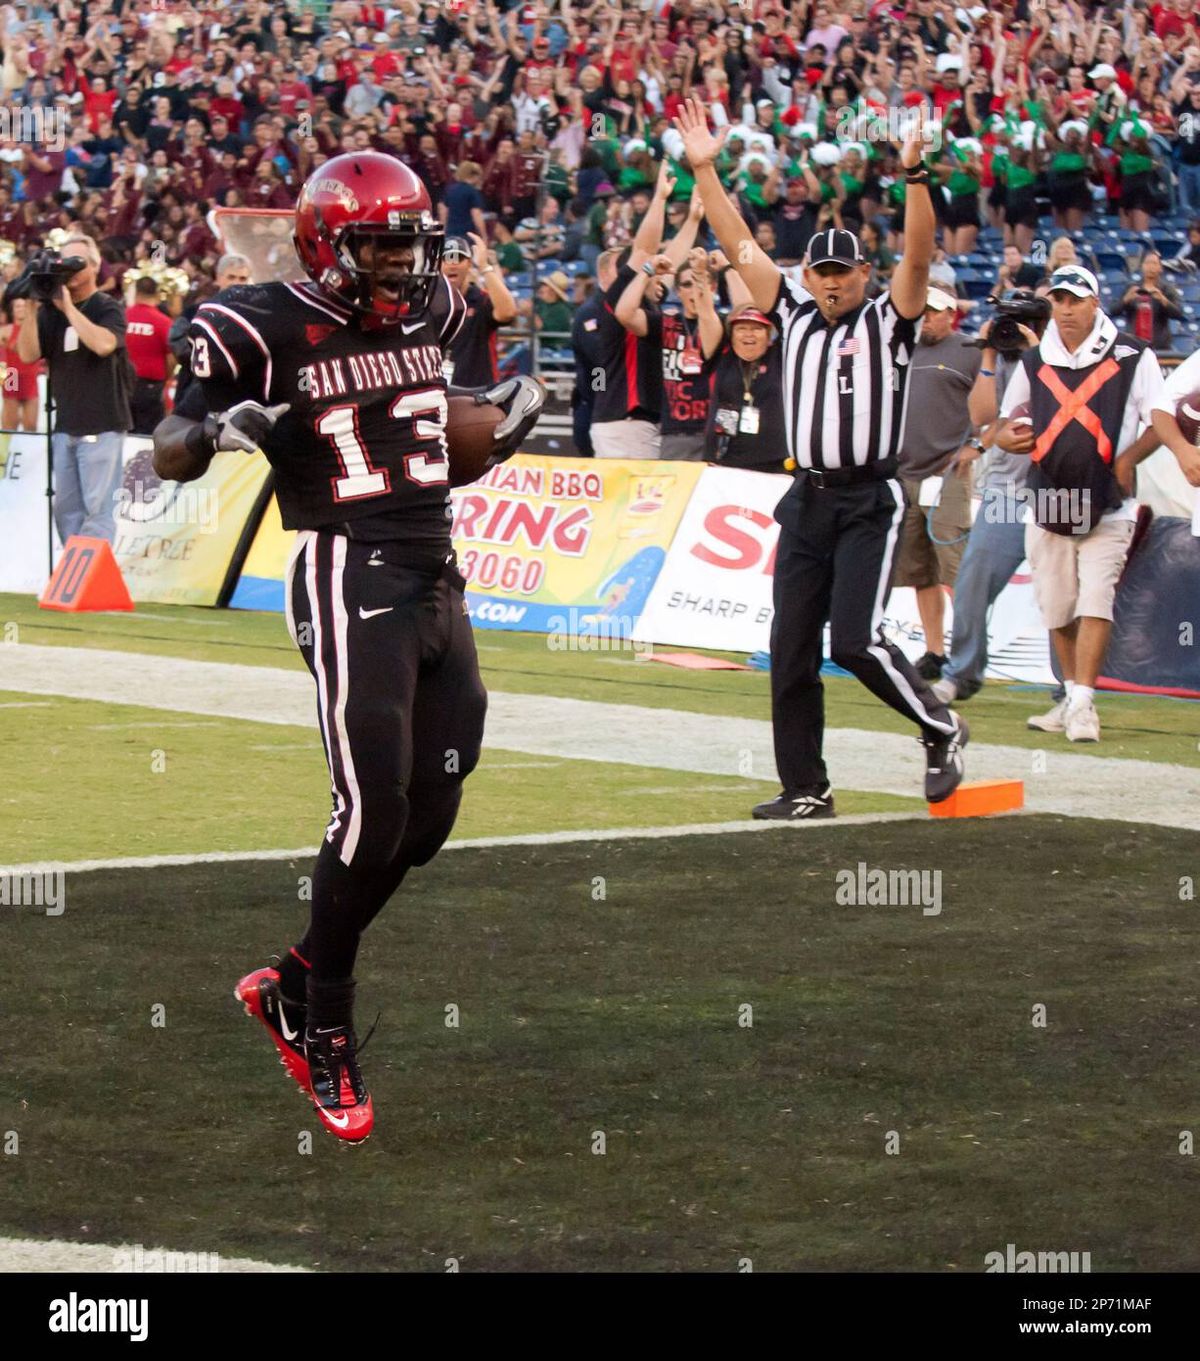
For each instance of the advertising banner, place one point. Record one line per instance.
(715, 589)
(175, 540)
(24, 554)
(570, 546)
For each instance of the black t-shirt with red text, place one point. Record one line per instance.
(684, 387)
(471, 357)
(632, 387)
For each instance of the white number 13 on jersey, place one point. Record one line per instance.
(427, 410)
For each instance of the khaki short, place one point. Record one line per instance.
(1074, 578)
(932, 560)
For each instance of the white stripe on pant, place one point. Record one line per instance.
(347, 810)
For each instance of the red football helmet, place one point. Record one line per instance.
(367, 196)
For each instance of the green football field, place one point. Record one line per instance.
(606, 1101)
(670, 1053)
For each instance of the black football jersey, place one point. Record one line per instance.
(363, 447)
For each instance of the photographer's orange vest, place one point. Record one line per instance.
(1077, 416)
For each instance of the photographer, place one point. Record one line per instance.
(996, 544)
(81, 333)
(1074, 405)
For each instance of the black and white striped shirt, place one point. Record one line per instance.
(845, 385)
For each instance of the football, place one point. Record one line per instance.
(1019, 415)
(469, 428)
(1187, 413)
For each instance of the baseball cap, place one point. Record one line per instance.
(603, 190)
(1104, 69)
(751, 314)
(940, 300)
(456, 246)
(835, 245)
(1075, 279)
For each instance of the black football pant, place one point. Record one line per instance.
(400, 705)
(834, 563)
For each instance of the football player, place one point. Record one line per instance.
(339, 381)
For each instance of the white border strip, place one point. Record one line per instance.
(150, 862)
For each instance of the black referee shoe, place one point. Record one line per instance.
(944, 761)
(929, 666)
(814, 802)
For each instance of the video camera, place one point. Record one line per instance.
(44, 276)
(1019, 308)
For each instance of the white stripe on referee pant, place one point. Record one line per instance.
(881, 654)
(314, 607)
(342, 653)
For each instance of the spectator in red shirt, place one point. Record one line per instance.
(98, 99)
(292, 92)
(146, 332)
(1176, 18)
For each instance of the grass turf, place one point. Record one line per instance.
(1140, 727)
(619, 1014)
(86, 780)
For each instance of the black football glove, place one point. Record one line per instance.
(242, 427)
(522, 400)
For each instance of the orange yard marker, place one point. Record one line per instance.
(87, 578)
(980, 797)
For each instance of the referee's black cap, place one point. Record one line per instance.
(836, 246)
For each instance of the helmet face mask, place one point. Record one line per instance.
(387, 287)
(367, 235)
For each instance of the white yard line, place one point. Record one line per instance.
(30, 1254)
(1072, 783)
(150, 862)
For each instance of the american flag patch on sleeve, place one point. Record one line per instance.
(847, 347)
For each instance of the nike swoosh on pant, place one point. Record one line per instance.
(370, 614)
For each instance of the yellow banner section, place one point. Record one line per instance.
(175, 540)
(567, 545)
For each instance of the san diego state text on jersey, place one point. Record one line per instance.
(365, 435)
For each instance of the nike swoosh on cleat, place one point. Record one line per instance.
(283, 1025)
(370, 614)
(342, 1122)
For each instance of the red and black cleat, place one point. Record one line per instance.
(339, 1093)
(284, 1021)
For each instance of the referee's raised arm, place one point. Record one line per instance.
(910, 279)
(760, 274)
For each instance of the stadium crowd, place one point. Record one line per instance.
(542, 125)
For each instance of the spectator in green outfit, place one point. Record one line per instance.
(1138, 175)
(550, 308)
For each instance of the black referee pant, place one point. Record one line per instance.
(834, 563)
(400, 704)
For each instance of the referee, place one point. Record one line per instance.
(845, 371)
